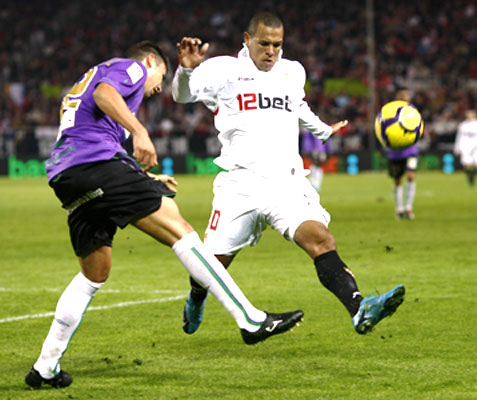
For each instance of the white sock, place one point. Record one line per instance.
(398, 198)
(204, 267)
(68, 315)
(410, 194)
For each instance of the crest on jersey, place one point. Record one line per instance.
(135, 72)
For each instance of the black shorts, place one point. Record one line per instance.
(398, 167)
(101, 196)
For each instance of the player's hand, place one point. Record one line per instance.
(337, 126)
(144, 151)
(166, 179)
(190, 53)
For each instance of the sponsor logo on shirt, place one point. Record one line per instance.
(135, 72)
(254, 101)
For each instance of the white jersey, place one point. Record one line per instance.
(466, 142)
(257, 113)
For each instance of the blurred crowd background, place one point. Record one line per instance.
(427, 46)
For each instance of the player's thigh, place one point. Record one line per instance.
(396, 168)
(232, 227)
(165, 224)
(295, 206)
(234, 220)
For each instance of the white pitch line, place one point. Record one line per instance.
(27, 290)
(93, 308)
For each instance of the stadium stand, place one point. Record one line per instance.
(431, 50)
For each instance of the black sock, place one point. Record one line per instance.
(198, 293)
(338, 279)
(470, 176)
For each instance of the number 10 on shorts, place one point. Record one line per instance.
(214, 220)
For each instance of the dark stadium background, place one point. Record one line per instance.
(356, 55)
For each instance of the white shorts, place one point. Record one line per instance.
(244, 204)
(468, 157)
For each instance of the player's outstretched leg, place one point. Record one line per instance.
(255, 325)
(373, 309)
(273, 325)
(35, 380)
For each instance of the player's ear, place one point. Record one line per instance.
(246, 38)
(150, 60)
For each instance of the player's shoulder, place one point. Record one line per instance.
(219, 62)
(115, 68)
(119, 62)
(293, 67)
(294, 64)
(467, 125)
(217, 67)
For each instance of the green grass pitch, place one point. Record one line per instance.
(131, 345)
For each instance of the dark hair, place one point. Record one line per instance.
(142, 49)
(403, 94)
(265, 17)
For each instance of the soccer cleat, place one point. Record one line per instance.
(373, 309)
(192, 315)
(400, 215)
(273, 325)
(35, 380)
(409, 215)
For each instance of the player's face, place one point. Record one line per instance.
(155, 76)
(264, 46)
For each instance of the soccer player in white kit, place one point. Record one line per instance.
(466, 144)
(258, 102)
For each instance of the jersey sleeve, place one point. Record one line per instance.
(199, 84)
(307, 118)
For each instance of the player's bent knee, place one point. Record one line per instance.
(97, 265)
(314, 238)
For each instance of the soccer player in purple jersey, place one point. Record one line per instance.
(400, 163)
(102, 188)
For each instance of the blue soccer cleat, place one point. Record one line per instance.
(192, 315)
(373, 309)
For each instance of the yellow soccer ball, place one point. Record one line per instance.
(398, 125)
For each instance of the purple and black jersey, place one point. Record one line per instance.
(311, 144)
(87, 134)
(411, 151)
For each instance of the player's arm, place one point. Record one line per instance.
(190, 55)
(109, 101)
(311, 122)
(458, 140)
(308, 120)
(338, 125)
